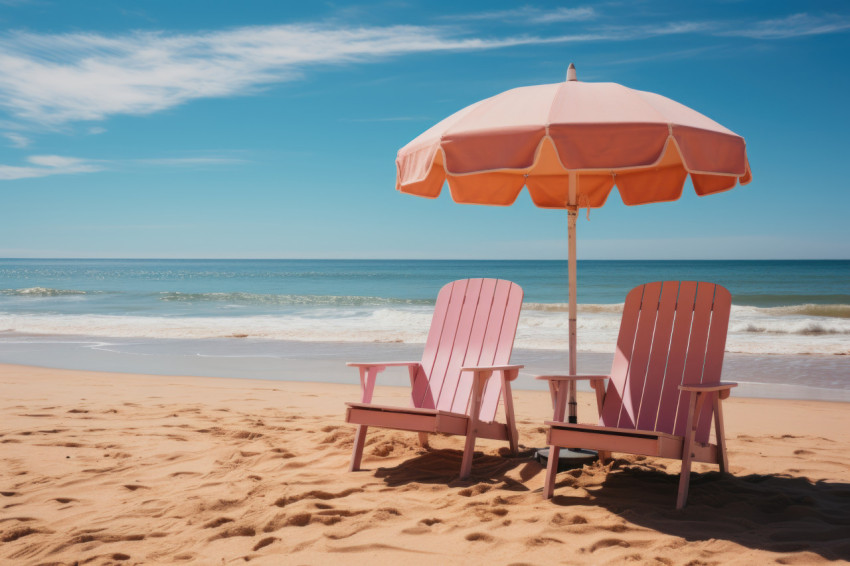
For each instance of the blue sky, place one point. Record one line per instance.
(200, 129)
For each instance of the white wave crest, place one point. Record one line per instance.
(40, 292)
(750, 329)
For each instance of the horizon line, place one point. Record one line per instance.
(151, 258)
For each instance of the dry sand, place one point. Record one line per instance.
(104, 468)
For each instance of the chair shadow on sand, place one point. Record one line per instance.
(776, 513)
(441, 466)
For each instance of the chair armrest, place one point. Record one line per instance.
(723, 389)
(511, 371)
(571, 377)
(381, 364)
(708, 387)
(369, 375)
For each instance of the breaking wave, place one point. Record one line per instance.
(289, 300)
(40, 292)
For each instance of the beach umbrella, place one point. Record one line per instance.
(570, 144)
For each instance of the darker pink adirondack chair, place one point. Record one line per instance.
(664, 385)
(453, 388)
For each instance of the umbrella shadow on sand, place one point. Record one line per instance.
(777, 513)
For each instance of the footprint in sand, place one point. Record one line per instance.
(235, 532)
(264, 542)
(542, 541)
(608, 543)
(316, 494)
(423, 527)
(20, 532)
(218, 522)
(483, 537)
(475, 490)
(559, 519)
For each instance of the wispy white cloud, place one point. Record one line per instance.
(50, 80)
(54, 79)
(190, 161)
(17, 140)
(532, 15)
(796, 25)
(46, 165)
(95, 130)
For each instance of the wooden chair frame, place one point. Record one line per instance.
(631, 439)
(472, 332)
(424, 421)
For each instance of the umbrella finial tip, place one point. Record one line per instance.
(571, 73)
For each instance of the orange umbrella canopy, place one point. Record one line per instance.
(604, 133)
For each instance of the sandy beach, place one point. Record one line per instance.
(102, 468)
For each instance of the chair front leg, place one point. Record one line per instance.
(479, 380)
(357, 453)
(513, 435)
(551, 471)
(694, 407)
(720, 434)
(368, 376)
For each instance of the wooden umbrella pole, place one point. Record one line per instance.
(572, 216)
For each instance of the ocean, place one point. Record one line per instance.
(248, 308)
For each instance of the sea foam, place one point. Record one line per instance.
(751, 330)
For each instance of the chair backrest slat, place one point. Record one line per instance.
(656, 369)
(474, 295)
(476, 343)
(670, 393)
(636, 374)
(671, 334)
(420, 395)
(505, 313)
(714, 354)
(696, 349)
(439, 368)
(477, 326)
(620, 368)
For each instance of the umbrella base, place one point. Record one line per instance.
(568, 459)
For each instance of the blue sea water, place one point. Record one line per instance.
(789, 333)
(796, 307)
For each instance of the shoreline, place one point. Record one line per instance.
(774, 376)
(107, 468)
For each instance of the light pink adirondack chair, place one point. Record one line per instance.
(664, 385)
(453, 388)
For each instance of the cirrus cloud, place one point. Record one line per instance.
(46, 165)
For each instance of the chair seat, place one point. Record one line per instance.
(406, 418)
(408, 410)
(611, 430)
(420, 420)
(632, 441)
